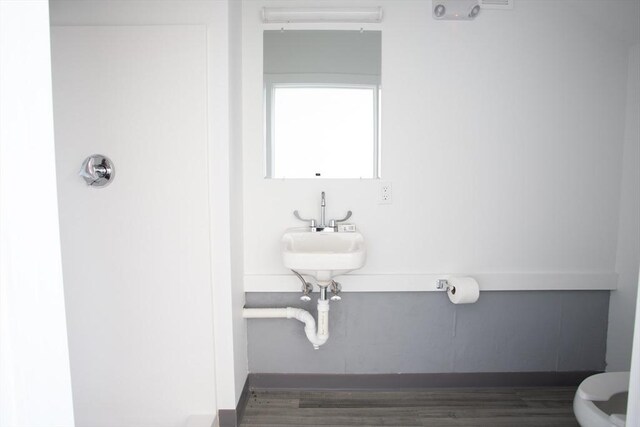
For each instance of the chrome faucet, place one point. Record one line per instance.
(333, 224)
(323, 207)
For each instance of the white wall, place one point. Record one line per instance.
(236, 193)
(136, 254)
(502, 138)
(35, 383)
(230, 351)
(622, 302)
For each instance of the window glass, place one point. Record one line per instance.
(326, 132)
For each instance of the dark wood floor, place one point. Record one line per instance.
(469, 407)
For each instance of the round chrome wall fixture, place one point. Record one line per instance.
(97, 170)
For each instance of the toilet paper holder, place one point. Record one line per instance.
(459, 289)
(443, 284)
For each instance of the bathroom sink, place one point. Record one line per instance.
(323, 255)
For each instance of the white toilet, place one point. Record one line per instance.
(601, 400)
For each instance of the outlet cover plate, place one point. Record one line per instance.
(385, 193)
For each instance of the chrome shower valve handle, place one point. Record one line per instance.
(97, 170)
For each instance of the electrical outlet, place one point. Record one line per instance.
(385, 193)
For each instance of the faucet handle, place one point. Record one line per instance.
(307, 288)
(311, 220)
(335, 288)
(335, 221)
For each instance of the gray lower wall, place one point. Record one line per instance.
(422, 332)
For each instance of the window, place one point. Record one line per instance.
(322, 103)
(322, 131)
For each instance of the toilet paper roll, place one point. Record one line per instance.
(463, 290)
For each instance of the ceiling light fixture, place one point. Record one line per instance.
(320, 15)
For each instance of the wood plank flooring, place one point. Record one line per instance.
(467, 407)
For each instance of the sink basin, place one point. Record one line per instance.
(323, 255)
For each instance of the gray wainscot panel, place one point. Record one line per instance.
(422, 332)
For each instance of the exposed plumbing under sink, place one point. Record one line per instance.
(316, 337)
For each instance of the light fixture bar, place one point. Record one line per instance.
(319, 15)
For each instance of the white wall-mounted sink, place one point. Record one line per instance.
(323, 255)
